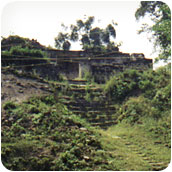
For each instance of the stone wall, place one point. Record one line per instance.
(102, 71)
(74, 64)
(55, 72)
(77, 63)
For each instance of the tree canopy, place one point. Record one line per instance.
(160, 14)
(91, 38)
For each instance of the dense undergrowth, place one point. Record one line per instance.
(22, 51)
(141, 140)
(144, 99)
(43, 135)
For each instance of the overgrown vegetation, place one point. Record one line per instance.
(26, 51)
(160, 15)
(144, 98)
(17, 50)
(41, 134)
(149, 83)
(15, 40)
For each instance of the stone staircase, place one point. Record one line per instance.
(88, 102)
(149, 159)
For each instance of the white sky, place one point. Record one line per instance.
(42, 20)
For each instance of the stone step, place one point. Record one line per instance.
(64, 97)
(108, 123)
(158, 168)
(102, 108)
(78, 112)
(78, 81)
(92, 113)
(159, 164)
(74, 108)
(87, 113)
(98, 117)
(128, 143)
(100, 120)
(146, 158)
(96, 120)
(81, 86)
(84, 90)
(81, 104)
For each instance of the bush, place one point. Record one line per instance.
(13, 40)
(162, 98)
(142, 94)
(9, 105)
(134, 109)
(133, 83)
(28, 56)
(122, 85)
(18, 50)
(89, 77)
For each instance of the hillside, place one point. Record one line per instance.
(49, 123)
(52, 137)
(19, 88)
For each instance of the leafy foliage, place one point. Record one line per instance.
(133, 82)
(133, 109)
(143, 98)
(161, 16)
(18, 50)
(61, 41)
(122, 85)
(21, 51)
(41, 134)
(92, 39)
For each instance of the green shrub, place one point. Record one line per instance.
(133, 83)
(162, 98)
(134, 109)
(89, 77)
(13, 40)
(18, 50)
(122, 85)
(9, 105)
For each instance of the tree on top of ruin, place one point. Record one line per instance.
(92, 39)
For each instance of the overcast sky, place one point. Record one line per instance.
(42, 20)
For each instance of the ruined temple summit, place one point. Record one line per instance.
(71, 64)
(75, 64)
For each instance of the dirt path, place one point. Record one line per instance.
(15, 88)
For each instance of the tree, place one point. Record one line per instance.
(91, 38)
(160, 14)
(61, 41)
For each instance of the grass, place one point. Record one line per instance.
(133, 148)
